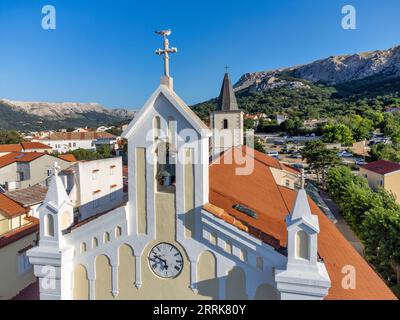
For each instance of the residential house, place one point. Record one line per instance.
(94, 186)
(63, 142)
(20, 170)
(24, 147)
(30, 198)
(18, 233)
(383, 174)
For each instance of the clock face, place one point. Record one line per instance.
(165, 260)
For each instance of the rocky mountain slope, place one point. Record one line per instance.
(334, 70)
(39, 115)
(324, 88)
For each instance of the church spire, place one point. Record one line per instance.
(227, 100)
(56, 195)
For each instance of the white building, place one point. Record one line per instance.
(94, 186)
(68, 141)
(193, 229)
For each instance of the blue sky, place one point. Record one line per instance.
(103, 50)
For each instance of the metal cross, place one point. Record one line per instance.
(226, 69)
(167, 50)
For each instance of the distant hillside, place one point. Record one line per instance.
(44, 115)
(336, 85)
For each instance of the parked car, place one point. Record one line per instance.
(360, 161)
(296, 155)
(345, 154)
(298, 166)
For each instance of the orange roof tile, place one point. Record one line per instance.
(19, 157)
(272, 203)
(9, 208)
(68, 157)
(34, 145)
(10, 148)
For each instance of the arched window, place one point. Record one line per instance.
(83, 247)
(106, 237)
(302, 245)
(49, 225)
(118, 232)
(156, 127)
(225, 124)
(95, 242)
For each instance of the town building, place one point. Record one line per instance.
(19, 170)
(24, 147)
(195, 229)
(383, 174)
(18, 233)
(94, 186)
(63, 142)
(30, 198)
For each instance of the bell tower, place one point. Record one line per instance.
(227, 120)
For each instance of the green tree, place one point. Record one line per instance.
(382, 238)
(292, 126)
(9, 137)
(338, 133)
(383, 151)
(319, 159)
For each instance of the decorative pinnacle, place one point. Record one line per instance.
(56, 167)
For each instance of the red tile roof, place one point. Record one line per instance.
(382, 167)
(68, 157)
(272, 203)
(79, 136)
(19, 157)
(34, 145)
(10, 208)
(10, 148)
(23, 147)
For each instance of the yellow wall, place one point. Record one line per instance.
(103, 278)
(81, 283)
(189, 194)
(392, 184)
(4, 224)
(208, 284)
(11, 283)
(141, 190)
(235, 288)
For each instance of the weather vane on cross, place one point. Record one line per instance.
(166, 51)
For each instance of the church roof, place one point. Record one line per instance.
(227, 100)
(272, 203)
(179, 105)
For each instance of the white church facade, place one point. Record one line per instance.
(192, 227)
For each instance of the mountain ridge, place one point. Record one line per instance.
(333, 70)
(36, 115)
